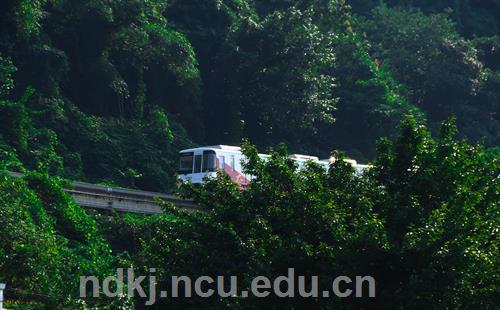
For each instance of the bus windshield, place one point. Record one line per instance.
(186, 163)
(209, 164)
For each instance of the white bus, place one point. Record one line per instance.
(199, 163)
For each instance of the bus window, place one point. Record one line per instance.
(222, 163)
(232, 162)
(186, 163)
(197, 163)
(208, 161)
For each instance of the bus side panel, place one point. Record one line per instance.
(232, 167)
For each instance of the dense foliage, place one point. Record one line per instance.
(423, 221)
(46, 243)
(110, 90)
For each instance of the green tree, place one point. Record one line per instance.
(425, 53)
(207, 24)
(286, 218)
(18, 134)
(46, 243)
(441, 71)
(489, 51)
(438, 200)
(422, 221)
(473, 18)
(371, 102)
(282, 88)
(86, 72)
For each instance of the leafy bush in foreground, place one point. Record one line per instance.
(46, 243)
(422, 221)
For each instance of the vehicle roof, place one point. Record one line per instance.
(235, 149)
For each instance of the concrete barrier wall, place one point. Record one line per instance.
(121, 199)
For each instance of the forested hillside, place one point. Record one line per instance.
(423, 222)
(109, 91)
